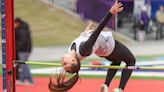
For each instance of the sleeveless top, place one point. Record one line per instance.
(103, 46)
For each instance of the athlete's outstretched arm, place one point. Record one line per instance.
(86, 47)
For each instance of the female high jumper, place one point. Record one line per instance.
(103, 45)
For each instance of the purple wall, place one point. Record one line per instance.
(96, 9)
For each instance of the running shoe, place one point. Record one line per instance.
(117, 90)
(104, 88)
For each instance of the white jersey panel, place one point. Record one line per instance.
(103, 46)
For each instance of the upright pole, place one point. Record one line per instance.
(116, 20)
(8, 46)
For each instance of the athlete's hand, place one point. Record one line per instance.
(116, 8)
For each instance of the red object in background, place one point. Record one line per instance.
(96, 63)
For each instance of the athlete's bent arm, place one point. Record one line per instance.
(86, 47)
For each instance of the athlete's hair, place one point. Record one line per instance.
(59, 84)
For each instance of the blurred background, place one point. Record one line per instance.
(55, 23)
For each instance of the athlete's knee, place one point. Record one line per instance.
(131, 61)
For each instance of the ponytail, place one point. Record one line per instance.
(60, 85)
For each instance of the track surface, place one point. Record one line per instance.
(93, 85)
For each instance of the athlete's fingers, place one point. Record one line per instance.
(120, 9)
(119, 5)
(116, 8)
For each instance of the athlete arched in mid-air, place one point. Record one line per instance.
(103, 45)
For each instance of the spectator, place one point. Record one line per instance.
(149, 8)
(141, 24)
(160, 20)
(23, 50)
(144, 19)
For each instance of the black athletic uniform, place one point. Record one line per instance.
(103, 45)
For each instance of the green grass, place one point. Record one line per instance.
(118, 77)
(49, 26)
(148, 57)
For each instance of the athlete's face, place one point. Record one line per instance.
(67, 61)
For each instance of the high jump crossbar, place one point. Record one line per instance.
(94, 66)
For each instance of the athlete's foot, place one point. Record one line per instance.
(104, 88)
(117, 90)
